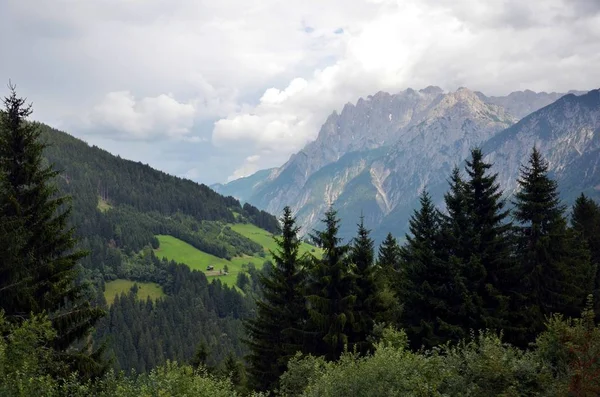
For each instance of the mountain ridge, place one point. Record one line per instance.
(381, 174)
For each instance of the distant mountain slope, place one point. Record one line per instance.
(376, 156)
(365, 157)
(89, 172)
(567, 132)
(521, 103)
(243, 188)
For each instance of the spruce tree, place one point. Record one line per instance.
(489, 245)
(388, 258)
(331, 288)
(389, 279)
(43, 275)
(369, 306)
(456, 224)
(277, 332)
(554, 268)
(585, 220)
(388, 264)
(429, 292)
(457, 253)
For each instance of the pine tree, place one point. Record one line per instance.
(489, 245)
(389, 279)
(456, 224)
(46, 278)
(277, 332)
(429, 293)
(388, 258)
(369, 306)
(331, 285)
(586, 221)
(554, 268)
(456, 252)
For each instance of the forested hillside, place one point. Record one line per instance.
(119, 207)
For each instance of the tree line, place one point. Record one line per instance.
(475, 265)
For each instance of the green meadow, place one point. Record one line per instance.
(103, 206)
(265, 238)
(182, 252)
(122, 286)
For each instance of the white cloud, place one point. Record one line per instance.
(249, 167)
(148, 118)
(495, 48)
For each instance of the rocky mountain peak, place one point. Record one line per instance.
(432, 90)
(376, 155)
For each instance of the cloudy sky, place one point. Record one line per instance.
(214, 90)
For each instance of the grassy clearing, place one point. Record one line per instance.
(182, 252)
(120, 286)
(103, 205)
(265, 238)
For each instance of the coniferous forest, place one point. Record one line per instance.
(488, 295)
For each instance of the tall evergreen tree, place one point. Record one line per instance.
(554, 268)
(388, 257)
(456, 224)
(43, 278)
(389, 279)
(429, 293)
(585, 221)
(489, 245)
(277, 332)
(388, 264)
(331, 288)
(369, 306)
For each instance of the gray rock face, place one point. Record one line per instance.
(567, 133)
(375, 157)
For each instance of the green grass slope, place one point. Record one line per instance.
(182, 252)
(122, 286)
(265, 238)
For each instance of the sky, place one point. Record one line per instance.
(216, 90)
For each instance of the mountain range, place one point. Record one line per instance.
(376, 156)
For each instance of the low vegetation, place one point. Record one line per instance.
(144, 290)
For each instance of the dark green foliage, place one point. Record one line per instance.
(45, 280)
(277, 332)
(262, 219)
(554, 270)
(145, 334)
(369, 306)
(585, 220)
(90, 173)
(201, 356)
(388, 258)
(331, 292)
(489, 246)
(429, 291)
